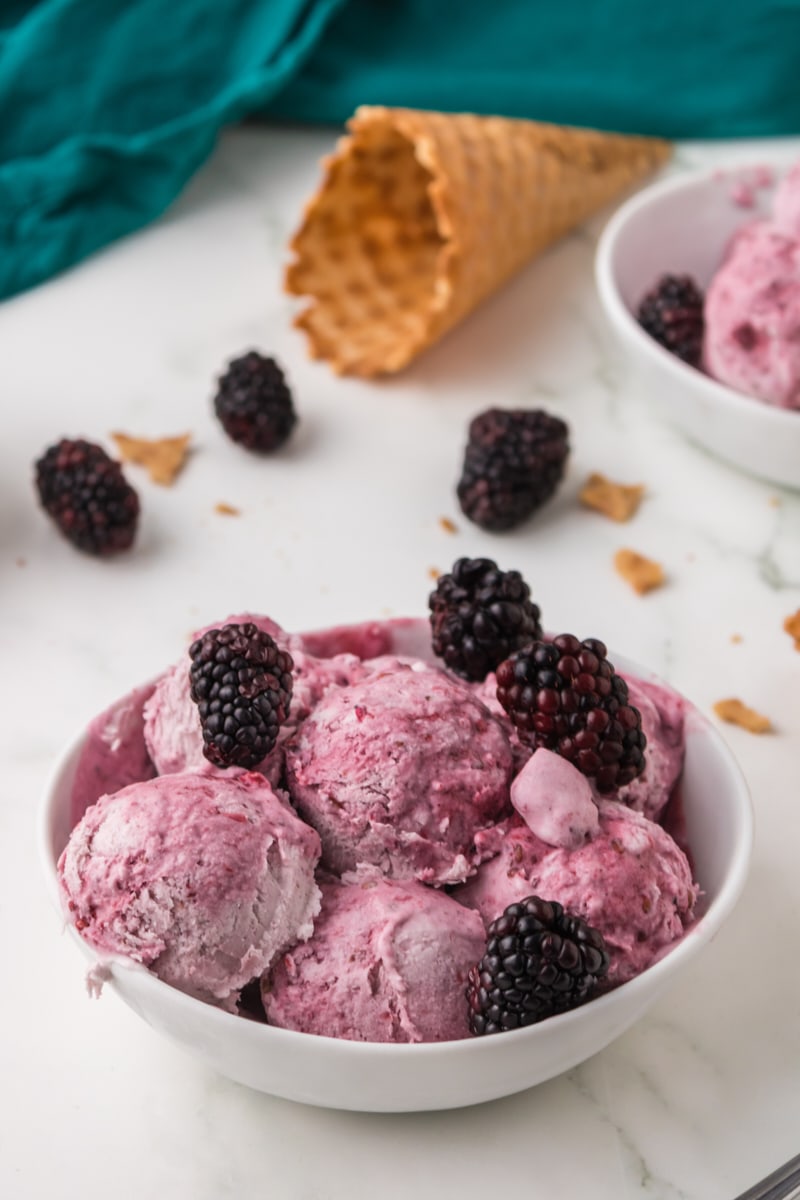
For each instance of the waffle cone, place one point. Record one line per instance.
(420, 215)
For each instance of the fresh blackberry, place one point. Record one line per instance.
(254, 403)
(539, 961)
(672, 313)
(480, 615)
(88, 497)
(242, 685)
(513, 463)
(566, 696)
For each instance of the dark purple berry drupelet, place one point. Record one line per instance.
(242, 685)
(254, 404)
(565, 695)
(539, 961)
(513, 463)
(480, 615)
(88, 497)
(672, 313)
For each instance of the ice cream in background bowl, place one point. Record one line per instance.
(734, 232)
(356, 947)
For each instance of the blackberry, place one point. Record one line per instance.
(88, 497)
(566, 696)
(513, 463)
(254, 403)
(480, 615)
(672, 313)
(539, 961)
(242, 685)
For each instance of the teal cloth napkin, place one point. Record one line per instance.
(107, 107)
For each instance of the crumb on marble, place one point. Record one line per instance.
(618, 501)
(792, 627)
(447, 525)
(736, 713)
(434, 573)
(775, 501)
(163, 457)
(643, 574)
(227, 510)
(736, 638)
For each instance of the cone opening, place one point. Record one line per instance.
(369, 254)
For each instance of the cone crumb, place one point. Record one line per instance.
(434, 573)
(792, 627)
(618, 501)
(227, 510)
(736, 638)
(162, 457)
(447, 525)
(736, 713)
(643, 574)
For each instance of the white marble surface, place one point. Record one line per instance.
(703, 1095)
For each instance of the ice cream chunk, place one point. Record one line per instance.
(663, 713)
(401, 770)
(631, 882)
(555, 801)
(204, 880)
(752, 307)
(387, 962)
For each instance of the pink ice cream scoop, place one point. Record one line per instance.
(388, 962)
(401, 770)
(204, 880)
(752, 307)
(663, 713)
(631, 882)
(172, 729)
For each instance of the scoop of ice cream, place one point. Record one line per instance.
(752, 314)
(663, 713)
(555, 800)
(786, 204)
(172, 724)
(631, 882)
(203, 880)
(506, 877)
(114, 753)
(387, 962)
(400, 770)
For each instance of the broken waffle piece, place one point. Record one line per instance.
(421, 215)
(643, 574)
(736, 713)
(162, 457)
(618, 501)
(792, 627)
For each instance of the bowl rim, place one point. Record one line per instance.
(628, 327)
(649, 982)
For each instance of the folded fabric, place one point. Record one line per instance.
(109, 106)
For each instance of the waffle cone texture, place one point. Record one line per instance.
(420, 215)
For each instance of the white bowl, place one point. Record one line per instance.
(404, 1078)
(682, 226)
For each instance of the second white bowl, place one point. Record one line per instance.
(682, 226)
